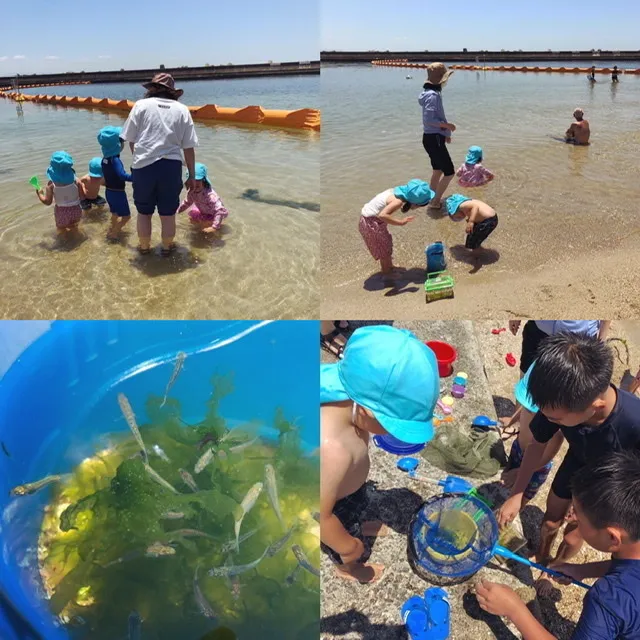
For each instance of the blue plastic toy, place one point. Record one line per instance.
(427, 618)
(484, 421)
(407, 464)
(451, 484)
(435, 257)
(392, 445)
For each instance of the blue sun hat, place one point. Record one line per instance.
(474, 155)
(201, 173)
(521, 392)
(391, 373)
(415, 192)
(95, 168)
(61, 168)
(454, 201)
(109, 140)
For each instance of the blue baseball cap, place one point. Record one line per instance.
(415, 192)
(454, 201)
(109, 140)
(95, 167)
(61, 168)
(521, 392)
(474, 155)
(391, 373)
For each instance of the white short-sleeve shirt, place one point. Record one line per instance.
(159, 128)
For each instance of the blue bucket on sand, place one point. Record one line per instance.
(399, 448)
(55, 376)
(435, 257)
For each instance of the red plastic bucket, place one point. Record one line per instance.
(445, 355)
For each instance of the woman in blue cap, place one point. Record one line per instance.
(377, 214)
(387, 383)
(64, 189)
(207, 211)
(472, 173)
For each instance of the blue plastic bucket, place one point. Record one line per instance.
(397, 447)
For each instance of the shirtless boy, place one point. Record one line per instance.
(91, 184)
(481, 220)
(578, 132)
(386, 383)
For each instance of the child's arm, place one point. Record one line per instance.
(473, 215)
(582, 571)
(487, 174)
(387, 214)
(187, 202)
(46, 196)
(459, 171)
(120, 172)
(501, 600)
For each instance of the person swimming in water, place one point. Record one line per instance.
(592, 74)
(614, 73)
(579, 132)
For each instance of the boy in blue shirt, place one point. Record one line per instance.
(115, 178)
(606, 501)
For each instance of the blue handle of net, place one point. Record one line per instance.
(506, 553)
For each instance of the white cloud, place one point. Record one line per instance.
(19, 57)
(52, 57)
(104, 57)
(3, 58)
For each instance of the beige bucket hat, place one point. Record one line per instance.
(437, 73)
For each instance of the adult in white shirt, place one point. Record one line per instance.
(159, 129)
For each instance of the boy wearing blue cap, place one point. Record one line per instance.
(386, 383)
(606, 500)
(115, 179)
(91, 183)
(481, 220)
(377, 214)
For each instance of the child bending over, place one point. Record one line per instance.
(207, 210)
(481, 220)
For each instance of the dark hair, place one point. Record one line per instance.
(160, 92)
(571, 370)
(608, 491)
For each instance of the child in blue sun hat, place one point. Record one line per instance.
(91, 183)
(115, 179)
(386, 383)
(65, 190)
(481, 219)
(472, 173)
(377, 214)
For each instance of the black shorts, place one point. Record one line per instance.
(531, 339)
(87, 203)
(481, 231)
(561, 484)
(349, 511)
(434, 144)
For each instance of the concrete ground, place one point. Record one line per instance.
(352, 611)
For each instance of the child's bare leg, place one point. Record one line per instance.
(386, 264)
(553, 519)
(570, 545)
(358, 572)
(168, 224)
(374, 529)
(144, 231)
(114, 227)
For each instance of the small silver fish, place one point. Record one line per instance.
(160, 453)
(187, 533)
(247, 504)
(279, 544)
(303, 560)
(135, 626)
(231, 544)
(176, 372)
(127, 411)
(241, 447)
(290, 579)
(158, 549)
(159, 479)
(172, 515)
(234, 570)
(205, 608)
(188, 480)
(272, 491)
(204, 460)
(31, 487)
(240, 429)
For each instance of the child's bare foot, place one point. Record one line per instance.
(544, 587)
(362, 573)
(374, 529)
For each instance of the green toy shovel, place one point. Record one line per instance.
(34, 183)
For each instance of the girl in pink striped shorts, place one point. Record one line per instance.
(378, 213)
(207, 210)
(65, 190)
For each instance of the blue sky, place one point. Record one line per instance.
(416, 25)
(41, 36)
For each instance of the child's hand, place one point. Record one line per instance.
(510, 509)
(356, 554)
(210, 230)
(408, 219)
(497, 598)
(469, 227)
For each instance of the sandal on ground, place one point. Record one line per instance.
(167, 251)
(437, 207)
(144, 252)
(329, 343)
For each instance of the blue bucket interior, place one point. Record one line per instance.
(57, 399)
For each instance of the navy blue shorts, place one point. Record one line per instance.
(158, 185)
(118, 203)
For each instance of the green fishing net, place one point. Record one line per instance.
(471, 452)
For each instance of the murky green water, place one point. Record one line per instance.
(263, 265)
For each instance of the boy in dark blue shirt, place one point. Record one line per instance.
(606, 500)
(115, 178)
(571, 384)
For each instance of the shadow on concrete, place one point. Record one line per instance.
(403, 281)
(495, 624)
(352, 621)
(505, 407)
(487, 257)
